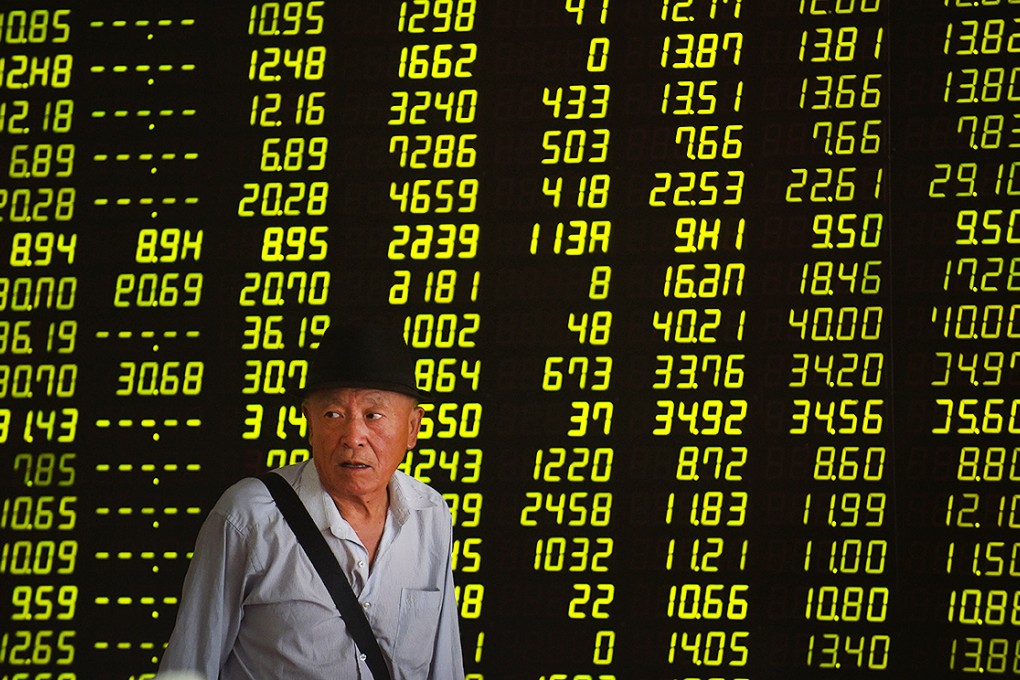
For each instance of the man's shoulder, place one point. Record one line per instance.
(248, 502)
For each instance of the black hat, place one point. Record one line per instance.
(362, 356)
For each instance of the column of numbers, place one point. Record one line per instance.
(974, 380)
(38, 340)
(433, 150)
(840, 374)
(285, 297)
(700, 369)
(570, 502)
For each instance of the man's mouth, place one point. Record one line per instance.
(355, 466)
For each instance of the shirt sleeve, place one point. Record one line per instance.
(447, 657)
(211, 606)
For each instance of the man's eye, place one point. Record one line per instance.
(331, 414)
(374, 416)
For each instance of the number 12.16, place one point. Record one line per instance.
(268, 110)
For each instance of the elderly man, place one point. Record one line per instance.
(254, 607)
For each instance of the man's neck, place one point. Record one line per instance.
(367, 516)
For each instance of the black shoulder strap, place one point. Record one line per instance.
(322, 557)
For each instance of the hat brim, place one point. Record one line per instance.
(400, 388)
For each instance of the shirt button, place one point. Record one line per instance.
(367, 605)
(362, 657)
(361, 563)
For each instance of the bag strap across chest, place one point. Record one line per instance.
(332, 575)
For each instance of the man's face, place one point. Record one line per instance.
(359, 437)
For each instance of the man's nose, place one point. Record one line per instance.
(353, 435)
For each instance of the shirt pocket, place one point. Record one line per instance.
(416, 632)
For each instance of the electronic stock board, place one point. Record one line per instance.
(717, 301)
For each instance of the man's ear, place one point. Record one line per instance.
(308, 420)
(414, 426)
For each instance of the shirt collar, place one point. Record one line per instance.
(405, 498)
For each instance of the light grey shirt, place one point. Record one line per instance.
(254, 607)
